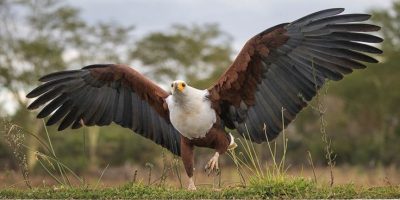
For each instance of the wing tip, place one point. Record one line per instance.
(337, 10)
(58, 75)
(44, 78)
(32, 107)
(48, 77)
(41, 115)
(62, 127)
(318, 15)
(51, 121)
(31, 95)
(97, 66)
(373, 60)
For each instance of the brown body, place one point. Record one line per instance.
(216, 139)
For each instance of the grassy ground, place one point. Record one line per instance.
(262, 188)
(269, 181)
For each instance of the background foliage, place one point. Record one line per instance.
(39, 37)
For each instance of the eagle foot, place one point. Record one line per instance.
(212, 165)
(191, 185)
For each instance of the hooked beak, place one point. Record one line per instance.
(180, 87)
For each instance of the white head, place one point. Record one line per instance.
(178, 87)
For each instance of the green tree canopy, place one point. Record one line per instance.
(198, 54)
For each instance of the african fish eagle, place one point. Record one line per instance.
(279, 68)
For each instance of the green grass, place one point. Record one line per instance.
(262, 188)
(269, 181)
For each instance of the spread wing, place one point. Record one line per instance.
(282, 67)
(101, 94)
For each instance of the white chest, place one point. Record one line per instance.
(193, 119)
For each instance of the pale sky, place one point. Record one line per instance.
(241, 19)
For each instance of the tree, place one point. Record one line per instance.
(363, 112)
(372, 95)
(198, 54)
(390, 21)
(39, 37)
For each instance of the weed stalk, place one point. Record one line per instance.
(134, 176)
(150, 167)
(310, 161)
(15, 140)
(321, 109)
(101, 176)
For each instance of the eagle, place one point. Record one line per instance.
(274, 76)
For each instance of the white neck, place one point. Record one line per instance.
(189, 97)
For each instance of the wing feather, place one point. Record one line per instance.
(106, 93)
(279, 70)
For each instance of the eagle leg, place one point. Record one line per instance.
(188, 160)
(216, 139)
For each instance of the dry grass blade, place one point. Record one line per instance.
(15, 139)
(248, 162)
(101, 176)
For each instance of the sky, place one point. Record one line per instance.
(241, 19)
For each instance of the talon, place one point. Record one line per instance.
(212, 165)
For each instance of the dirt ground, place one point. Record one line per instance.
(229, 177)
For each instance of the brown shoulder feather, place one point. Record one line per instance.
(144, 87)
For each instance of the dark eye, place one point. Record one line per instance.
(183, 84)
(172, 84)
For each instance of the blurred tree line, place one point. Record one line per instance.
(39, 37)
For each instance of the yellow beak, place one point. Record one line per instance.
(180, 87)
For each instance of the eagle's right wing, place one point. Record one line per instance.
(101, 94)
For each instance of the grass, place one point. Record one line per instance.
(289, 187)
(47, 158)
(257, 181)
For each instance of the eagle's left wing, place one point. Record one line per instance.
(282, 67)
